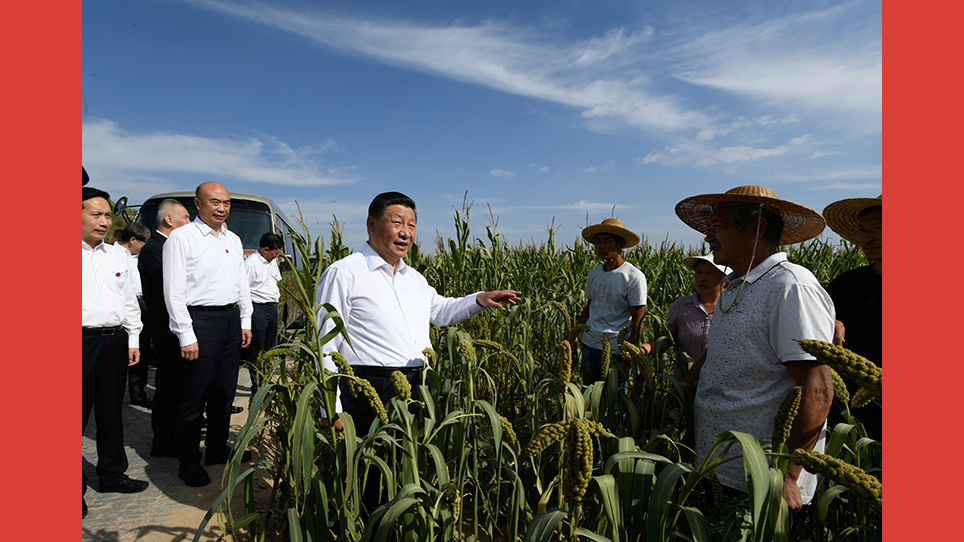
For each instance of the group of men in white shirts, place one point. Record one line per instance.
(210, 293)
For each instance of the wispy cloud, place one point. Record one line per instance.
(501, 173)
(591, 74)
(823, 65)
(827, 60)
(118, 155)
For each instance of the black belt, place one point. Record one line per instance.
(213, 308)
(272, 303)
(102, 331)
(383, 372)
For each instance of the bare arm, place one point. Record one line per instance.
(814, 378)
(637, 315)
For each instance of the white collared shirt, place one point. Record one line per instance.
(387, 315)
(135, 274)
(263, 277)
(744, 378)
(203, 267)
(107, 291)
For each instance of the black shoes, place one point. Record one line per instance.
(221, 458)
(124, 484)
(237, 410)
(194, 475)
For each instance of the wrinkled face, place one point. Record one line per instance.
(869, 229)
(607, 245)
(707, 278)
(731, 246)
(392, 235)
(214, 205)
(96, 220)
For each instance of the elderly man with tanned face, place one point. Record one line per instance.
(752, 359)
(857, 294)
(207, 296)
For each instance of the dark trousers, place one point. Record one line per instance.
(380, 378)
(363, 414)
(167, 386)
(264, 336)
(209, 383)
(104, 360)
(137, 375)
(591, 364)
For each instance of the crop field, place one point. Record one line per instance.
(502, 440)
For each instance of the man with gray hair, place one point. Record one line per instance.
(166, 351)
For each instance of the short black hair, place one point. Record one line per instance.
(746, 214)
(89, 192)
(135, 230)
(385, 200)
(272, 241)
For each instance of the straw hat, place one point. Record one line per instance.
(799, 223)
(841, 215)
(692, 261)
(613, 226)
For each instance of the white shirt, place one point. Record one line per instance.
(612, 295)
(107, 291)
(744, 378)
(203, 267)
(135, 274)
(263, 277)
(386, 315)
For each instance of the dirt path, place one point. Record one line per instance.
(166, 511)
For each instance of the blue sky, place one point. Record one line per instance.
(544, 112)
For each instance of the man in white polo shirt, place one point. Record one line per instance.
(752, 360)
(207, 297)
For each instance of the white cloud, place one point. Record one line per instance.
(119, 155)
(501, 173)
(826, 60)
(741, 153)
(610, 164)
(821, 154)
(589, 74)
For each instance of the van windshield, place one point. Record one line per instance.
(249, 220)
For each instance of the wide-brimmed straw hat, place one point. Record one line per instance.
(692, 261)
(799, 223)
(842, 215)
(612, 226)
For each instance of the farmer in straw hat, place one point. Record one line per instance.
(856, 294)
(751, 358)
(615, 295)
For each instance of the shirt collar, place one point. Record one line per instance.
(207, 230)
(761, 269)
(100, 246)
(374, 260)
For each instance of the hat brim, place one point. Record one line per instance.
(799, 223)
(841, 215)
(630, 238)
(692, 261)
